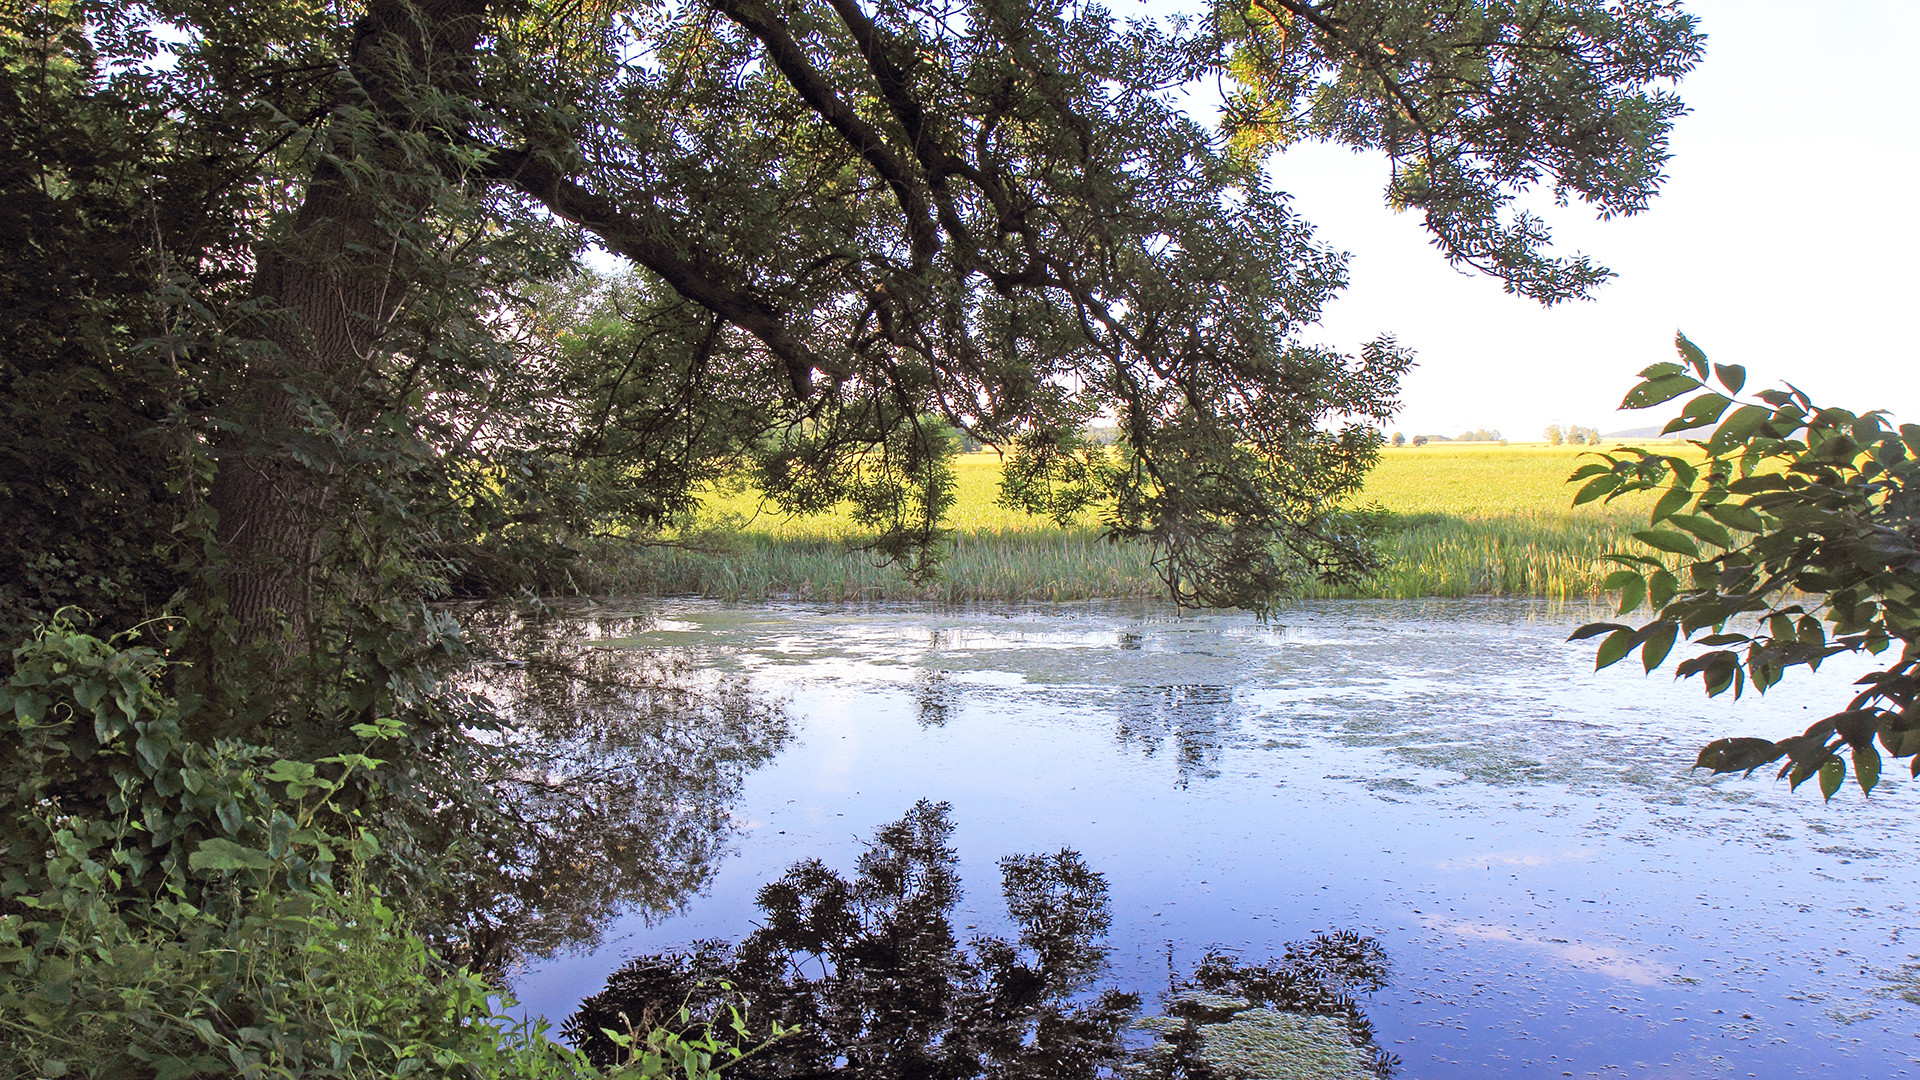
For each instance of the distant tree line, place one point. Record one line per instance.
(1557, 435)
(1573, 434)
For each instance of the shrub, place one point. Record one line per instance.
(171, 909)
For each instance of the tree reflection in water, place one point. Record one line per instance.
(614, 792)
(1191, 718)
(870, 973)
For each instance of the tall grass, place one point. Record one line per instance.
(1465, 521)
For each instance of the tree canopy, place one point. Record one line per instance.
(301, 340)
(293, 267)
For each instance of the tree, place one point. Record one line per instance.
(864, 217)
(303, 339)
(1556, 435)
(1811, 521)
(1399, 439)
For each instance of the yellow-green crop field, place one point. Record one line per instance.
(1468, 519)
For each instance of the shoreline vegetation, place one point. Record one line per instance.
(1463, 520)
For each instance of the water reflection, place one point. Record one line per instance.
(934, 696)
(1187, 719)
(619, 772)
(878, 986)
(1557, 891)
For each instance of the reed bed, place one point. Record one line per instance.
(1464, 521)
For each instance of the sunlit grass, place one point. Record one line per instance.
(1466, 520)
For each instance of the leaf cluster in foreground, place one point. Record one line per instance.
(1787, 533)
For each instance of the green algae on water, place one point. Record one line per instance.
(1267, 1044)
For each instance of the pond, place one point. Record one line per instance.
(1555, 893)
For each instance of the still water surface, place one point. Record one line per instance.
(1556, 893)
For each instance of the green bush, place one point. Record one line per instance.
(170, 909)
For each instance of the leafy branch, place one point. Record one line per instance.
(1797, 535)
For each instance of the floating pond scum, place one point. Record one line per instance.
(1446, 787)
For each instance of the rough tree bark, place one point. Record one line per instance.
(329, 287)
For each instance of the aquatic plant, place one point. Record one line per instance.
(1294, 1016)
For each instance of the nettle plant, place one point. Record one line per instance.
(1788, 535)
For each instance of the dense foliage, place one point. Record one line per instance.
(176, 909)
(302, 343)
(303, 319)
(1810, 518)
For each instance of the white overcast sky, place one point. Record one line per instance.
(1785, 240)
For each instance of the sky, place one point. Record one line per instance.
(1786, 240)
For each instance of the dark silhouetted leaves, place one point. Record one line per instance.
(1800, 500)
(1738, 755)
(871, 971)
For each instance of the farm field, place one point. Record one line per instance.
(1467, 520)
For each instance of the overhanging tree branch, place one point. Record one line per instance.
(626, 230)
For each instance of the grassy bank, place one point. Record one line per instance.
(1467, 520)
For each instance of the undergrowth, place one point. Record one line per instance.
(171, 909)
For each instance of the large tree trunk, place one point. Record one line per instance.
(330, 288)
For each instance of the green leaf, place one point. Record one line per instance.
(1659, 642)
(1615, 648)
(1668, 540)
(1797, 773)
(1691, 353)
(1737, 755)
(1654, 391)
(226, 855)
(1618, 559)
(1731, 376)
(1866, 767)
(179, 1068)
(1703, 527)
(1669, 504)
(1900, 743)
(1683, 470)
(1633, 592)
(1699, 412)
(1754, 485)
(290, 771)
(1718, 670)
(1661, 587)
(1618, 580)
(1735, 516)
(1738, 428)
(1595, 488)
(1832, 775)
